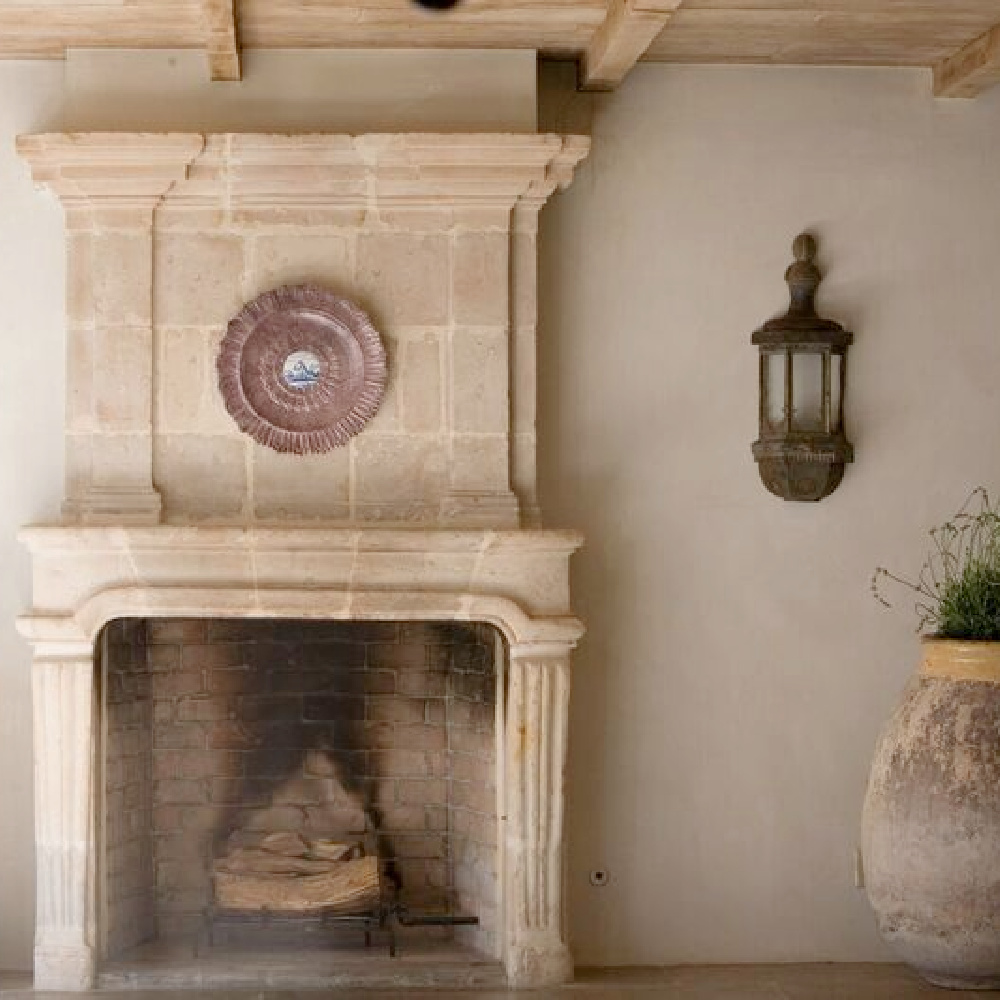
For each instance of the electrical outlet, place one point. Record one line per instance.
(859, 869)
(599, 877)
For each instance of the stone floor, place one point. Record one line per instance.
(423, 961)
(754, 982)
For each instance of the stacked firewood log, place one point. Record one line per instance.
(288, 873)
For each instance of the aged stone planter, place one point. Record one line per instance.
(932, 818)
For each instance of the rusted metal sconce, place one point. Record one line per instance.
(802, 449)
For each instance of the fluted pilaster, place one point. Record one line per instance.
(63, 709)
(537, 716)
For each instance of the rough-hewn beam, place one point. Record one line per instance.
(620, 42)
(221, 39)
(971, 70)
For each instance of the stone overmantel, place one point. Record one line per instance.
(434, 235)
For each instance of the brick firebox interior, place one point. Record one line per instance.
(217, 730)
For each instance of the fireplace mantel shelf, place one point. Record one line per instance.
(85, 576)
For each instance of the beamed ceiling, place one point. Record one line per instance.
(958, 39)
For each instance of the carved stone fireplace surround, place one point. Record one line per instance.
(429, 514)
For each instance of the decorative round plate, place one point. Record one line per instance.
(301, 369)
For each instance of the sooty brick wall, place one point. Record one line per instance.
(338, 729)
(127, 900)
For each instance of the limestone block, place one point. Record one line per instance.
(418, 382)
(218, 567)
(480, 278)
(79, 379)
(404, 277)
(480, 381)
(540, 582)
(524, 380)
(79, 279)
(397, 469)
(186, 393)
(198, 278)
(387, 417)
(378, 569)
(483, 218)
(67, 580)
(121, 265)
(79, 466)
(120, 460)
(301, 487)
(200, 476)
(481, 463)
(295, 217)
(417, 218)
(524, 270)
(309, 569)
(524, 478)
(300, 258)
(122, 393)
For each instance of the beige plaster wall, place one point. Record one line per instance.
(32, 332)
(736, 669)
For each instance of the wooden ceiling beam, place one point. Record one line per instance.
(972, 69)
(628, 29)
(222, 39)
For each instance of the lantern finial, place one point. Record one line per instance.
(803, 276)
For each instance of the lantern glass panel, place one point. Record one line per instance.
(807, 392)
(774, 380)
(836, 361)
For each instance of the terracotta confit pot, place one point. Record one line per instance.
(931, 829)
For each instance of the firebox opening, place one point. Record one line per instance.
(273, 785)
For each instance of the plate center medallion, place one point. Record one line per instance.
(301, 370)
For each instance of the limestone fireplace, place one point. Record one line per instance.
(429, 515)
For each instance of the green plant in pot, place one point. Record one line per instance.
(931, 827)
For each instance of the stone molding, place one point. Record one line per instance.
(243, 170)
(537, 717)
(63, 695)
(529, 569)
(119, 178)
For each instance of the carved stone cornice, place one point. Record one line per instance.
(243, 170)
(118, 171)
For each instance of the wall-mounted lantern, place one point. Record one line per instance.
(802, 449)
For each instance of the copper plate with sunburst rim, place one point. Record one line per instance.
(301, 370)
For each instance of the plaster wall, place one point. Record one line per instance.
(736, 669)
(31, 447)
